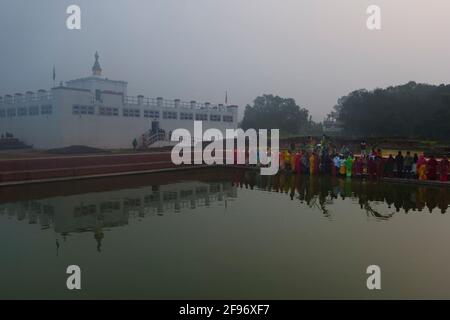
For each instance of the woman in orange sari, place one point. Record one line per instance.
(422, 168)
(287, 160)
(281, 157)
(311, 164)
(293, 157)
(316, 163)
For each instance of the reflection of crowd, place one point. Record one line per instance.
(313, 189)
(314, 158)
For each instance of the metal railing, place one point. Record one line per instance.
(150, 138)
(173, 104)
(14, 100)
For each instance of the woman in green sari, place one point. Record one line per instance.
(349, 166)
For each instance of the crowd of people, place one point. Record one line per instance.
(324, 158)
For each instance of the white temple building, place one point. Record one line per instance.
(97, 112)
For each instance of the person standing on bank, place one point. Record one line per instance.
(336, 165)
(443, 169)
(432, 168)
(389, 168)
(363, 148)
(399, 163)
(414, 166)
(422, 167)
(349, 166)
(408, 162)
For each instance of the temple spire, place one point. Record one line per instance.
(96, 69)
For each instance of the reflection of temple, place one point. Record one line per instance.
(98, 210)
(320, 191)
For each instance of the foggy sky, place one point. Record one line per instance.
(312, 50)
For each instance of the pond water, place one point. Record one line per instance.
(224, 234)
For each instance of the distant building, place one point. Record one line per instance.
(97, 112)
(332, 127)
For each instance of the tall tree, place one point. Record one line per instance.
(274, 112)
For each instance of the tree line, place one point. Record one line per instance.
(411, 110)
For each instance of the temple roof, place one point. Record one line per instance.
(96, 69)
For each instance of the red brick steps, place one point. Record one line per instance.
(78, 167)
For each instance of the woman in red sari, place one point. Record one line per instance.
(379, 161)
(432, 168)
(281, 157)
(371, 168)
(358, 167)
(298, 162)
(443, 168)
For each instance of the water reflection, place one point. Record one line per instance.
(322, 192)
(214, 234)
(93, 207)
(95, 212)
